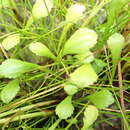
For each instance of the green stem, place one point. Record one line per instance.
(63, 35)
(4, 108)
(26, 108)
(29, 22)
(53, 127)
(25, 116)
(94, 11)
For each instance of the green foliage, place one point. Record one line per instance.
(98, 65)
(12, 68)
(75, 13)
(65, 109)
(116, 43)
(83, 76)
(101, 99)
(114, 10)
(80, 42)
(41, 8)
(10, 91)
(41, 50)
(86, 57)
(90, 115)
(70, 89)
(4, 4)
(11, 41)
(51, 48)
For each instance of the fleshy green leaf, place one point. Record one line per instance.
(12, 68)
(70, 89)
(10, 91)
(42, 8)
(90, 116)
(41, 50)
(101, 99)
(83, 76)
(65, 108)
(85, 57)
(11, 41)
(116, 43)
(80, 42)
(75, 12)
(98, 65)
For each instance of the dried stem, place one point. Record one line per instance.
(31, 97)
(3, 51)
(121, 89)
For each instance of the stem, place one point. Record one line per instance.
(94, 11)
(31, 97)
(25, 116)
(27, 108)
(53, 127)
(4, 52)
(65, 29)
(68, 126)
(121, 89)
(114, 93)
(29, 22)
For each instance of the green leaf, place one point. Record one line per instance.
(42, 8)
(70, 89)
(83, 76)
(98, 65)
(86, 57)
(41, 50)
(116, 43)
(12, 68)
(80, 42)
(75, 13)
(10, 91)
(11, 41)
(101, 99)
(90, 116)
(65, 108)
